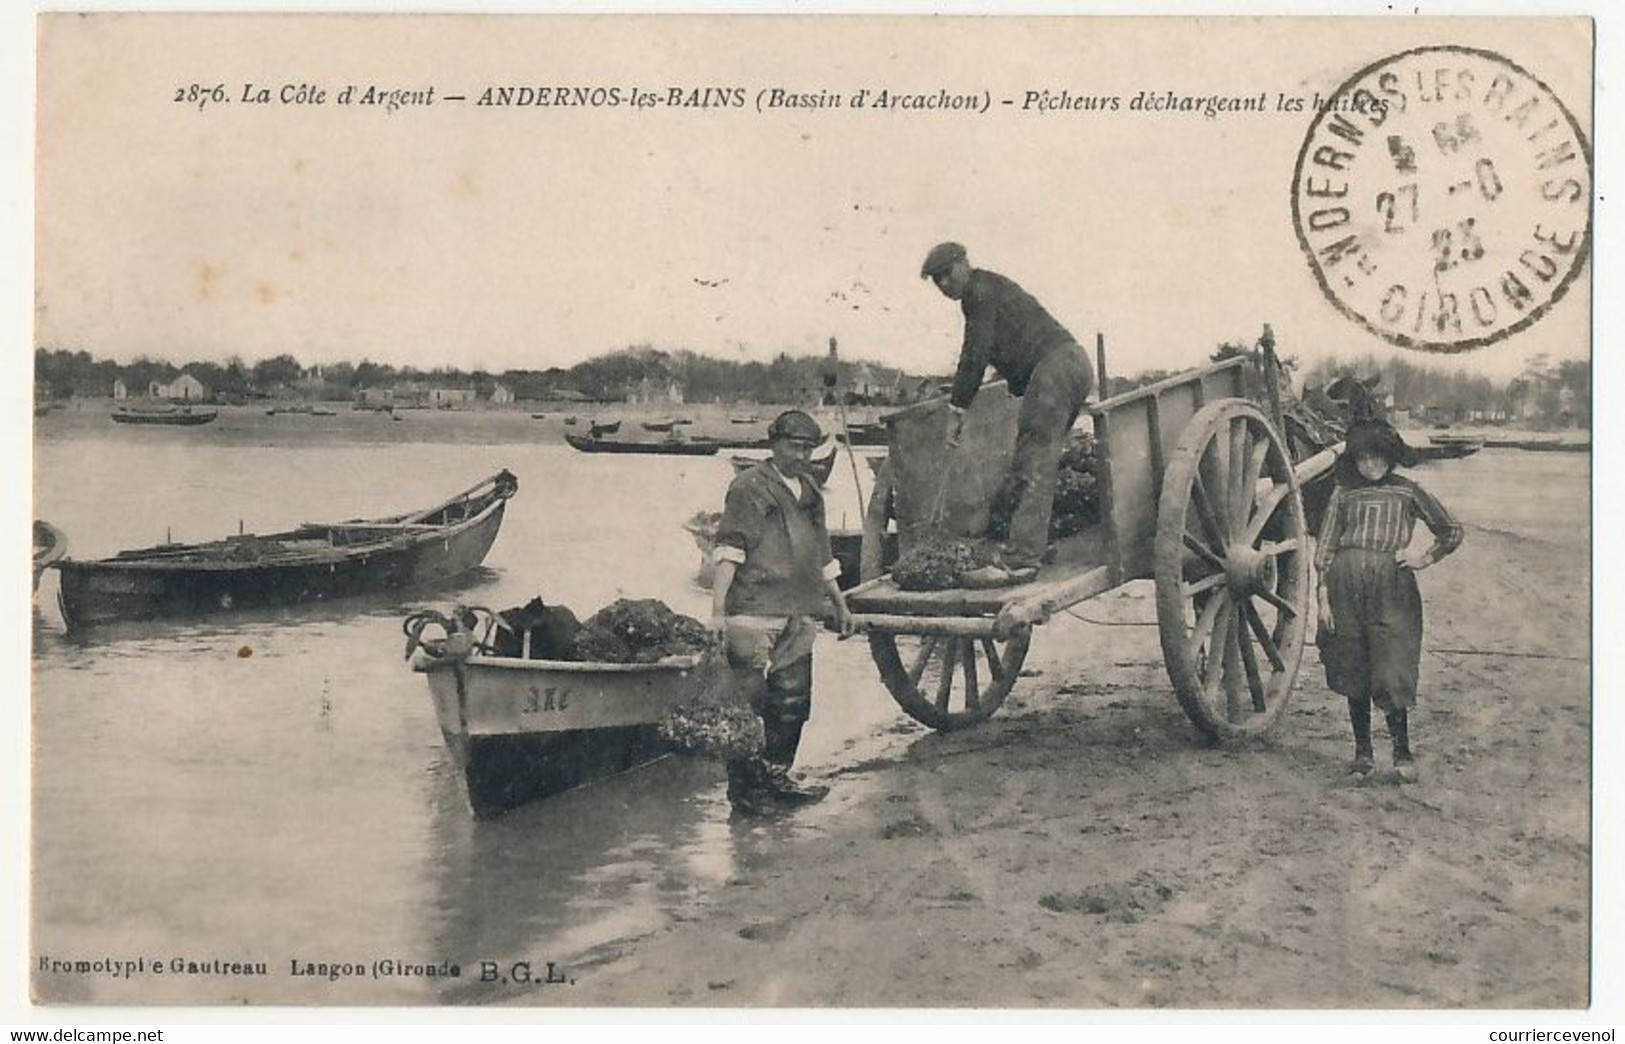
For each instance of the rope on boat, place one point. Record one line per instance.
(458, 629)
(413, 627)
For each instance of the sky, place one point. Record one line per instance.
(527, 237)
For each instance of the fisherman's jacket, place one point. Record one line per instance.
(779, 542)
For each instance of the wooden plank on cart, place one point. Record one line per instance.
(1074, 556)
(1136, 431)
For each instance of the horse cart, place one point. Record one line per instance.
(1198, 490)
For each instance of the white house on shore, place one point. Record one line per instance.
(185, 387)
(120, 389)
(450, 396)
(501, 395)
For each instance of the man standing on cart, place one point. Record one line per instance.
(1044, 366)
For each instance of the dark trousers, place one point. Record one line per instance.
(783, 700)
(1399, 728)
(1055, 396)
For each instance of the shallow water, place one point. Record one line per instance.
(272, 787)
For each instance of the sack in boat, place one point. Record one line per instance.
(550, 629)
(716, 718)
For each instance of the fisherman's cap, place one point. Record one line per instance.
(795, 426)
(1379, 438)
(941, 258)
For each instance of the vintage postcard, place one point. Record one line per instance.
(825, 512)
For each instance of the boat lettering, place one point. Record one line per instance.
(551, 698)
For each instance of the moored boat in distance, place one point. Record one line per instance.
(1449, 447)
(177, 415)
(316, 562)
(1556, 446)
(673, 446)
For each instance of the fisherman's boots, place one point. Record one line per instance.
(748, 789)
(783, 737)
(1399, 729)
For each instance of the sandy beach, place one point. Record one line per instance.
(1082, 850)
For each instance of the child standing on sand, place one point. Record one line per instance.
(1370, 608)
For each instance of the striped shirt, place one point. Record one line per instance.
(1382, 517)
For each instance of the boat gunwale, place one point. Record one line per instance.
(667, 664)
(403, 541)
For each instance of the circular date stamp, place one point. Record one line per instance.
(1443, 198)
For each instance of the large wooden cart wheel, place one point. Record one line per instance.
(945, 682)
(1232, 570)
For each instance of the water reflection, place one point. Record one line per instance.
(271, 785)
(575, 878)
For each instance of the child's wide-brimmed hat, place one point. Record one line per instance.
(1380, 438)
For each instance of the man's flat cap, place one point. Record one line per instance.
(795, 426)
(941, 258)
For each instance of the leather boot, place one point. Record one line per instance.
(1360, 718)
(748, 789)
(783, 738)
(1399, 729)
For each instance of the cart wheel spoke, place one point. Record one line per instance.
(1265, 641)
(1213, 656)
(973, 691)
(928, 646)
(1216, 532)
(1268, 504)
(1207, 583)
(1215, 480)
(945, 684)
(1205, 553)
(1232, 668)
(994, 667)
(1249, 661)
(1207, 613)
(1276, 600)
(1279, 547)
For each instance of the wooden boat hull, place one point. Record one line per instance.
(519, 730)
(677, 447)
(379, 556)
(49, 547)
(1446, 451)
(183, 418)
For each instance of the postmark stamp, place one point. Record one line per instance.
(1442, 198)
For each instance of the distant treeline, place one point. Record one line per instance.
(638, 372)
(1545, 391)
